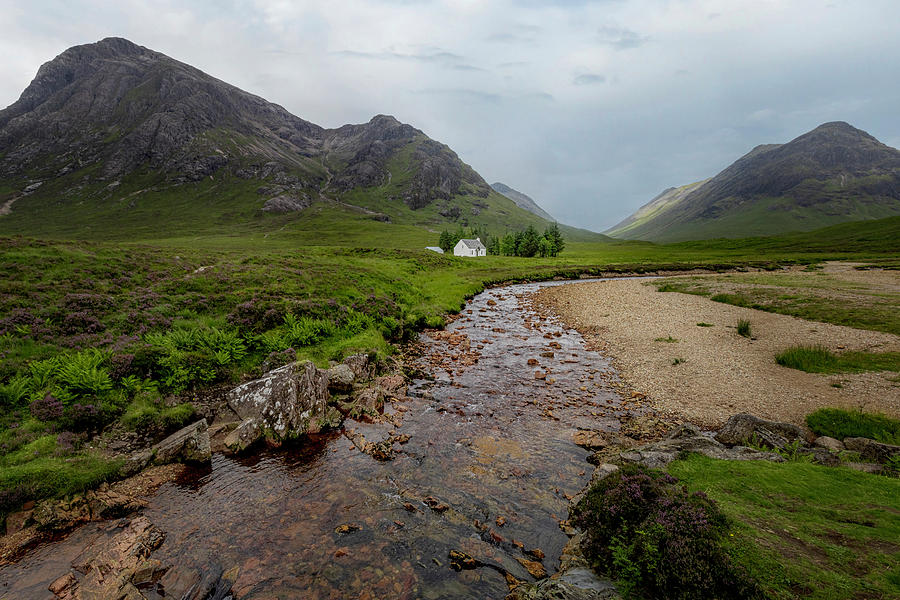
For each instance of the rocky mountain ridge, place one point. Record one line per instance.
(100, 113)
(523, 201)
(832, 174)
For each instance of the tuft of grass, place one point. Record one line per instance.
(839, 424)
(702, 324)
(823, 533)
(818, 359)
(677, 361)
(743, 328)
(145, 413)
(668, 340)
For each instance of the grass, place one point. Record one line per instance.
(743, 328)
(677, 361)
(207, 304)
(811, 295)
(839, 424)
(805, 530)
(668, 340)
(818, 359)
(702, 324)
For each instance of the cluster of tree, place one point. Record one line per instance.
(528, 242)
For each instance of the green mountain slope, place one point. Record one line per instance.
(833, 174)
(115, 141)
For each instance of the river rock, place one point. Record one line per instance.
(359, 364)
(289, 401)
(340, 378)
(744, 429)
(135, 463)
(244, 435)
(190, 445)
(393, 386)
(689, 438)
(591, 440)
(871, 450)
(829, 443)
(110, 566)
(576, 584)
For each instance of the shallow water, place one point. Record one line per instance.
(487, 438)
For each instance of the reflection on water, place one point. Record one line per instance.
(491, 440)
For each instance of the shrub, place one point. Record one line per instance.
(840, 424)
(46, 409)
(743, 328)
(659, 540)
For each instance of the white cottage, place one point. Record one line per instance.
(470, 248)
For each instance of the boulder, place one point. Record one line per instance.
(135, 463)
(394, 386)
(579, 583)
(289, 401)
(591, 440)
(744, 429)
(340, 378)
(244, 435)
(359, 364)
(821, 456)
(829, 443)
(190, 445)
(871, 450)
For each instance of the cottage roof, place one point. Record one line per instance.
(473, 244)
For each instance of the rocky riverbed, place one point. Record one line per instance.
(458, 487)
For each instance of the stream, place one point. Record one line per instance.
(490, 446)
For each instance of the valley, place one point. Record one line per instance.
(230, 367)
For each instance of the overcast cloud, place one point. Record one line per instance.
(591, 108)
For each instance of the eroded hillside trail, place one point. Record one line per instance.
(488, 469)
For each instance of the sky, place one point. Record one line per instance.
(590, 107)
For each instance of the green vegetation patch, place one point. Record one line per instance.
(839, 424)
(658, 540)
(818, 359)
(804, 530)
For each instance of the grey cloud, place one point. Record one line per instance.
(620, 37)
(589, 79)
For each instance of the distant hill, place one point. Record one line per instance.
(833, 174)
(521, 200)
(114, 140)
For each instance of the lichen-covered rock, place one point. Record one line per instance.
(829, 443)
(341, 378)
(744, 429)
(286, 402)
(871, 450)
(244, 435)
(190, 445)
(579, 583)
(359, 364)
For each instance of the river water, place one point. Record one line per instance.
(490, 439)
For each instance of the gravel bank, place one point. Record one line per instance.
(722, 373)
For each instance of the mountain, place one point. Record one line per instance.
(832, 174)
(522, 200)
(112, 139)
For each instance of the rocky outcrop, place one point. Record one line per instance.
(123, 568)
(286, 402)
(94, 505)
(189, 445)
(341, 378)
(871, 450)
(744, 429)
(689, 438)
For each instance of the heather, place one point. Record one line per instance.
(659, 540)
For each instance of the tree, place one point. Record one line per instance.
(529, 244)
(446, 241)
(508, 245)
(493, 247)
(554, 236)
(545, 249)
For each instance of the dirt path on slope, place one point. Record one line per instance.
(722, 373)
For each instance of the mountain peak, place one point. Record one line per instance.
(832, 174)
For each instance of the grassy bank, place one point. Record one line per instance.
(94, 333)
(804, 530)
